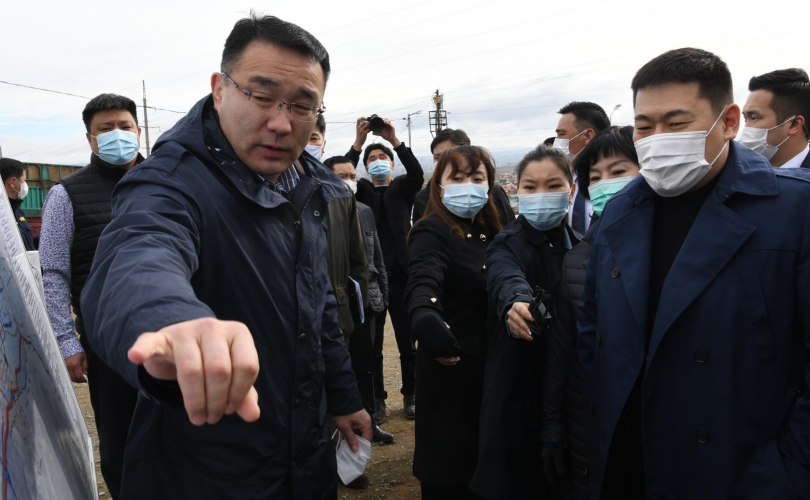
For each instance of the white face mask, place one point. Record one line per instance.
(352, 185)
(757, 139)
(315, 150)
(23, 192)
(563, 145)
(674, 163)
(351, 465)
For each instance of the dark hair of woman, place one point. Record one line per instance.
(464, 159)
(543, 152)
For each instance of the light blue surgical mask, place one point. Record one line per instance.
(543, 210)
(380, 170)
(604, 190)
(465, 200)
(117, 146)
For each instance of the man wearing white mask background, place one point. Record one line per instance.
(14, 175)
(578, 125)
(694, 328)
(74, 214)
(391, 198)
(317, 139)
(776, 115)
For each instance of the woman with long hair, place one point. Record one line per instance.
(447, 301)
(523, 264)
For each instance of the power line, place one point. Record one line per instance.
(77, 95)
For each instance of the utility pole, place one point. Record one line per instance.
(410, 143)
(146, 120)
(438, 118)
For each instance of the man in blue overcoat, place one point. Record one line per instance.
(695, 323)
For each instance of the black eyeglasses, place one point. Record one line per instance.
(270, 103)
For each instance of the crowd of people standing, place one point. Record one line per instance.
(640, 329)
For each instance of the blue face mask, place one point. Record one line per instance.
(117, 146)
(380, 170)
(543, 210)
(465, 200)
(603, 191)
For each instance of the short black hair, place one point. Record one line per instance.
(588, 115)
(11, 168)
(456, 136)
(272, 30)
(320, 124)
(689, 65)
(336, 160)
(791, 93)
(541, 153)
(609, 142)
(549, 142)
(106, 102)
(374, 147)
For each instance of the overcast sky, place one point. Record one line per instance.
(504, 67)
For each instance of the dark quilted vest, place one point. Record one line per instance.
(90, 191)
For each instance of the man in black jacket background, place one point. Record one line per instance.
(13, 174)
(391, 199)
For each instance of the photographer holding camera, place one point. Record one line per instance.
(391, 199)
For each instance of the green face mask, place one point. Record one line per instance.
(602, 191)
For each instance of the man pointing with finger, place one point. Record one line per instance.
(210, 293)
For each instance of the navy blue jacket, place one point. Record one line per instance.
(725, 409)
(194, 235)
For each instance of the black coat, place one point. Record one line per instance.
(398, 199)
(194, 235)
(806, 162)
(509, 465)
(25, 229)
(562, 414)
(447, 283)
(377, 278)
(499, 196)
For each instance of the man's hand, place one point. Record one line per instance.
(517, 318)
(349, 425)
(77, 367)
(363, 128)
(389, 133)
(214, 362)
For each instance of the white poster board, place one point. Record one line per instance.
(46, 452)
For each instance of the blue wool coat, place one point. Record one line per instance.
(194, 235)
(725, 409)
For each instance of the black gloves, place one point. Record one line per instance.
(553, 463)
(433, 335)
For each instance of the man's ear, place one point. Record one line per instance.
(731, 120)
(217, 88)
(798, 125)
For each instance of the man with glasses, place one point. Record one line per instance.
(210, 291)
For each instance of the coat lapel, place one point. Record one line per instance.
(716, 236)
(630, 242)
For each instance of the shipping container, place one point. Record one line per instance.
(40, 178)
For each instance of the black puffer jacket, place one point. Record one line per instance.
(562, 412)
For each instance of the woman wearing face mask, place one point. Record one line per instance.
(523, 261)
(607, 164)
(447, 300)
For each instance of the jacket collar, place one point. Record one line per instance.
(745, 172)
(108, 170)
(537, 238)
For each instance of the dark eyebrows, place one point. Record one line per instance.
(613, 164)
(668, 115)
(554, 179)
(264, 81)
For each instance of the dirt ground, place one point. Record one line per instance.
(389, 470)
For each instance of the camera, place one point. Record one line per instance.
(376, 123)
